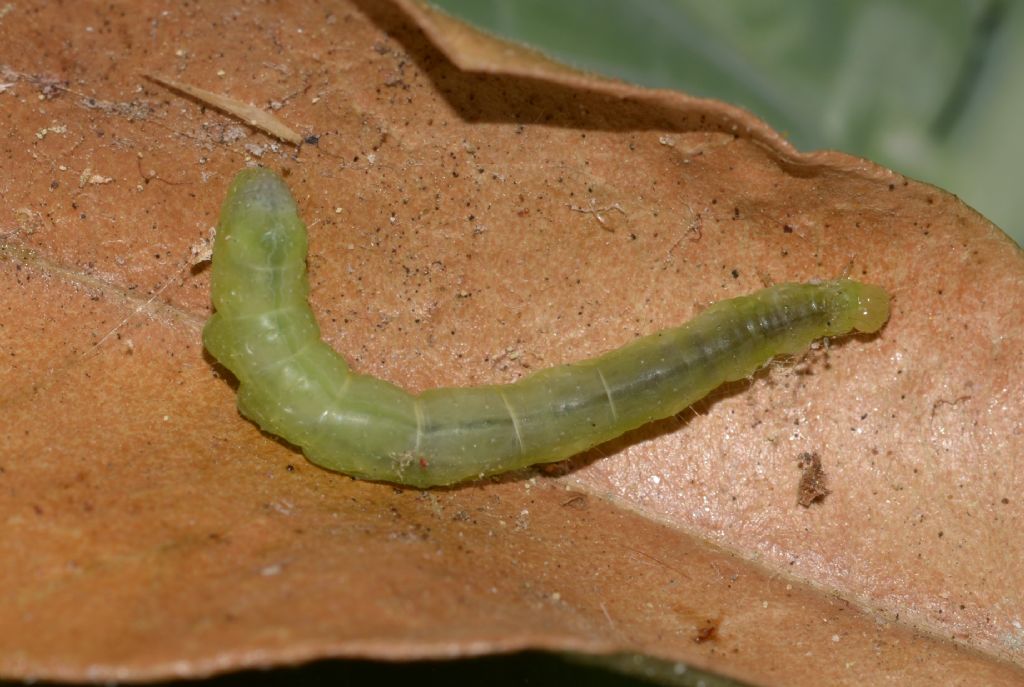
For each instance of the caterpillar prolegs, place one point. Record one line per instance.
(294, 385)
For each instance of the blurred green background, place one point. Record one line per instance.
(931, 88)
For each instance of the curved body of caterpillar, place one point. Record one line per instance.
(294, 385)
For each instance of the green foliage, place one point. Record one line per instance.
(931, 88)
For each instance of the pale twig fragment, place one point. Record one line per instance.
(250, 114)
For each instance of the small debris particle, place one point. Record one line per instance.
(522, 521)
(813, 484)
(87, 177)
(271, 570)
(706, 632)
(577, 501)
(53, 129)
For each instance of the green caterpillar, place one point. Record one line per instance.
(294, 385)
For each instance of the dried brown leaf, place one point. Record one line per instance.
(149, 531)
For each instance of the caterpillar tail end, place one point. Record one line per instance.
(871, 309)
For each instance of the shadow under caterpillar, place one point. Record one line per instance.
(294, 385)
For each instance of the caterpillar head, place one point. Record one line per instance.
(267, 256)
(867, 305)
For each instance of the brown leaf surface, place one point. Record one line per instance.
(476, 213)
